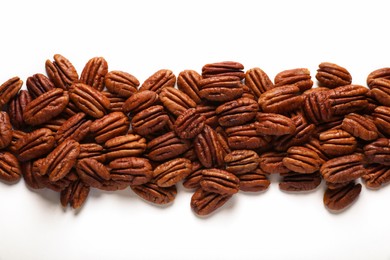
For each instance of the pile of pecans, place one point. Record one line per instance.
(218, 132)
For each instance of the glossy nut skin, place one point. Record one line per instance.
(10, 170)
(300, 77)
(189, 124)
(337, 142)
(131, 170)
(124, 146)
(272, 162)
(75, 194)
(281, 100)
(360, 126)
(121, 83)
(347, 99)
(302, 160)
(382, 73)
(76, 127)
(237, 112)
(224, 68)
(297, 182)
(378, 151)
(150, 120)
(61, 72)
(208, 148)
(92, 172)
(167, 146)
(94, 72)
(16, 108)
(5, 130)
(204, 203)
(35, 144)
(254, 181)
(220, 88)
(9, 90)
(171, 172)
(153, 193)
(274, 124)
(241, 161)
(219, 181)
(258, 81)
(175, 101)
(344, 168)
(159, 80)
(38, 84)
(382, 118)
(331, 75)
(188, 82)
(140, 101)
(109, 126)
(340, 198)
(377, 176)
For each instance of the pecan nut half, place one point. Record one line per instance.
(382, 73)
(92, 150)
(109, 126)
(10, 170)
(94, 72)
(159, 80)
(377, 176)
(331, 75)
(343, 169)
(61, 72)
(189, 124)
(188, 82)
(254, 181)
(150, 120)
(246, 137)
(76, 128)
(92, 172)
(237, 112)
(124, 146)
(258, 81)
(167, 146)
(378, 151)
(219, 181)
(337, 142)
(175, 101)
(131, 170)
(340, 198)
(204, 203)
(360, 126)
(220, 88)
(35, 144)
(140, 101)
(171, 172)
(281, 100)
(121, 83)
(224, 68)
(155, 194)
(272, 162)
(302, 160)
(347, 99)
(300, 181)
(382, 118)
(5, 130)
(38, 84)
(274, 124)
(208, 148)
(241, 161)
(16, 108)
(300, 77)
(9, 89)
(75, 194)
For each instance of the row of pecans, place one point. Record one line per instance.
(217, 132)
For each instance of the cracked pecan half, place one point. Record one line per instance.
(171, 172)
(344, 168)
(237, 112)
(61, 72)
(258, 81)
(121, 83)
(155, 194)
(94, 72)
(204, 203)
(331, 75)
(159, 80)
(219, 181)
(241, 161)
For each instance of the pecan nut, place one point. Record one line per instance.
(378, 151)
(219, 181)
(75, 194)
(220, 88)
(208, 111)
(254, 181)
(167, 146)
(10, 170)
(32, 177)
(204, 203)
(155, 194)
(171, 172)
(175, 101)
(302, 160)
(35, 144)
(208, 148)
(189, 124)
(192, 181)
(38, 84)
(241, 161)
(377, 176)
(61, 72)
(150, 120)
(116, 102)
(124, 146)
(316, 107)
(382, 118)
(94, 72)
(140, 101)
(5, 130)
(281, 100)
(347, 99)
(121, 83)
(224, 68)
(272, 162)
(300, 181)
(76, 128)
(92, 172)
(16, 108)
(246, 137)
(337, 142)
(92, 150)
(9, 89)
(159, 80)
(331, 75)
(382, 73)
(274, 124)
(188, 82)
(237, 112)
(380, 91)
(258, 81)
(300, 77)
(109, 126)
(340, 198)
(343, 169)
(360, 126)
(131, 170)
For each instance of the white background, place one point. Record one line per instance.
(145, 36)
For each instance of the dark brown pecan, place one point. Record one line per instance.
(54, 124)
(61, 72)
(382, 73)
(344, 169)
(150, 120)
(246, 137)
(140, 101)
(32, 177)
(76, 128)
(300, 181)
(333, 186)
(92, 150)
(35, 144)
(224, 68)
(192, 181)
(70, 110)
(92, 172)
(241, 161)
(281, 100)
(38, 84)
(116, 102)
(336, 124)
(131, 170)
(316, 107)
(300, 77)
(124, 146)
(190, 154)
(378, 151)
(9, 90)
(208, 111)
(220, 88)
(341, 198)
(56, 186)
(189, 124)
(167, 146)
(204, 203)
(112, 185)
(75, 194)
(360, 126)
(188, 82)
(377, 176)
(171, 172)
(10, 170)
(109, 126)
(382, 119)
(61, 160)
(155, 194)
(331, 75)
(159, 80)
(258, 81)
(237, 112)
(337, 142)
(315, 145)
(208, 148)
(274, 124)
(254, 181)
(347, 99)
(45, 107)
(302, 160)
(89, 100)
(372, 103)
(223, 141)
(272, 162)
(16, 108)
(94, 72)
(5, 130)
(121, 83)
(380, 91)
(16, 135)
(302, 134)
(175, 101)
(219, 181)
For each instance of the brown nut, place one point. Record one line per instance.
(94, 72)
(382, 118)
(76, 128)
(254, 181)
(109, 126)
(219, 181)
(337, 142)
(189, 124)
(208, 148)
(92, 172)
(237, 112)
(340, 198)
(121, 83)
(378, 151)
(10, 170)
(35, 144)
(300, 181)
(188, 82)
(347, 99)
(241, 161)
(272, 162)
(204, 203)
(150, 120)
(61, 72)
(300, 159)
(16, 108)
(155, 194)
(224, 68)
(258, 81)
(331, 75)
(171, 172)
(131, 170)
(140, 101)
(167, 146)
(9, 89)
(382, 73)
(274, 124)
(220, 88)
(38, 84)
(124, 146)
(281, 100)
(343, 169)
(300, 77)
(75, 194)
(5, 130)
(176, 101)
(246, 137)
(360, 126)
(159, 80)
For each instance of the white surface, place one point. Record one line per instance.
(143, 37)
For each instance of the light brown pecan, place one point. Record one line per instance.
(331, 75)
(343, 169)
(378, 151)
(10, 170)
(140, 101)
(380, 91)
(274, 124)
(192, 181)
(76, 128)
(219, 181)
(382, 73)
(258, 81)
(75, 194)
(188, 82)
(340, 198)
(237, 112)
(35, 144)
(171, 172)
(61, 72)
(254, 181)
(121, 83)
(208, 111)
(116, 102)
(109, 126)
(155, 194)
(300, 77)
(189, 124)
(224, 68)
(92, 150)
(281, 100)
(131, 170)
(38, 84)
(45, 107)
(246, 137)
(175, 101)
(150, 120)
(316, 107)
(208, 148)
(16, 108)
(220, 88)
(377, 176)
(241, 161)
(94, 72)
(159, 80)
(204, 203)
(347, 99)
(9, 89)
(302, 160)
(89, 100)
(382, 118)
(61, 160)
(337, 142)
(92, 172)
(124, 146)
(5, 130)
(300, 181)
(167, 146)
(360, 126)
(272, 162)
